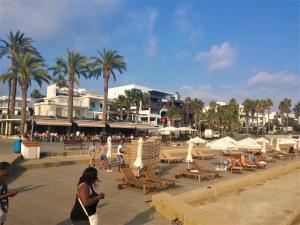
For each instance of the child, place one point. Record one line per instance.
(4, 193)
(103, 151)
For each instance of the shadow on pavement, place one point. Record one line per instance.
(142, 218)
(28, 188)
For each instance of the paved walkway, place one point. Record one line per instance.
(46, 197)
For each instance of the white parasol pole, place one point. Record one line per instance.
(108, 154)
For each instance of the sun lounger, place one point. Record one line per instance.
(213, 173)
(150, 176)
(235, 166)
(201, 155)
(129, 179)
(268, 159)
(166, 157)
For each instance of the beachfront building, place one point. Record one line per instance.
(155, 110)
(10, 124)
(87, 105)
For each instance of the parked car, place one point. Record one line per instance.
(216, 134)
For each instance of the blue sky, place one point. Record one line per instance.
(213, 50)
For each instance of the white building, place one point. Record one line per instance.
(156, 107)
(86, 105)
(18, 105)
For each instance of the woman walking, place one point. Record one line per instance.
(84, 211)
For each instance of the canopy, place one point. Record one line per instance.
(262, 140)
(167, 130)
(108, 154)
(138, 163)
(197, 140)
(229, 139)
(53, 122)
(287, 141)
(248, 143)
(89, 123)
(223, 144)
(185, 129)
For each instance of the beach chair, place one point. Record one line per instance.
(150, 176)
(129, 179)
(201, 155)
(212, 173)
(235, 165)
(166, 157)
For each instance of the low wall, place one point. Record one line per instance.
(181, 206)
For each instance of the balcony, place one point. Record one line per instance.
(95, 110)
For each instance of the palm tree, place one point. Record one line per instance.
(233, 108)
(120, 103)
(269, 106)
(285, 108)
(16, 46)
(29, 68)
(106, 65)
(36, 95)
(173, 114)
(73, 67)
(197, 107)
(248, 104)
(128, 102)
(61, 82)
(137, 98)
(297, 111)
(9, 90)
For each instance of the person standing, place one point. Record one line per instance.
(84, 211)
(4, 193)
(103, 151)
(92, 154)
(120, 154)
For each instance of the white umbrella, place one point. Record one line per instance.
(138, 163)
(108, 153)
(262, 140)
(167, 130)
(263, 147)
(189, 157)
(197, 140)
(222, 144)
(271, 142)
(185, 129)
(277, 146)
(248, 143)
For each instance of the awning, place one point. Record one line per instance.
(122, 125)
(145, 126)
(53, 122)
(89, 123)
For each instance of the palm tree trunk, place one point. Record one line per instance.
(9, 94)
(268, 120)
(70, 100)
(13, 96)
(128, 113)
(23, 110)
(106, 78)
(257, 123)
(121, 114)
(247, 123)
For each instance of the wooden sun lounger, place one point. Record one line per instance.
(150, 176)
(213, 173)
(130, 179)
(201, 155)
(268, 159)
(169, 158)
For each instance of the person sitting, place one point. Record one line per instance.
(292, 150)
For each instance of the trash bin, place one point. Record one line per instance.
(17, 146)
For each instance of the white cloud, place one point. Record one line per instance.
(275, 79)
(185, 18)
(144, 20)
(43, 19)
(219, 57)
(203, 92)
(151, 46)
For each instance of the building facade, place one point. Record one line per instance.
(86, 105)
(18, 105)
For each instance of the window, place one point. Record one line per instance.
(59, 112)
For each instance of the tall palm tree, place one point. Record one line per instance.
(29, 68)
(137, 97)
(73, 67)
(197, 107)
(16, 46)
(269, 106)
(285, 109)
(297, 111)
(248, 104)
(233, 108)
(120, 103)
(128, 102)
(106, 65)
(173, 114)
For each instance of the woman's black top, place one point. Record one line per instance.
(77, 213)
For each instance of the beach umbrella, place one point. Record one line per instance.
(108, 153)
(138, 163)
(185, 129)
(263, 147)
(248, 143)
(189, 157)
(271, 142)
(223, 144)
(197, 140)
